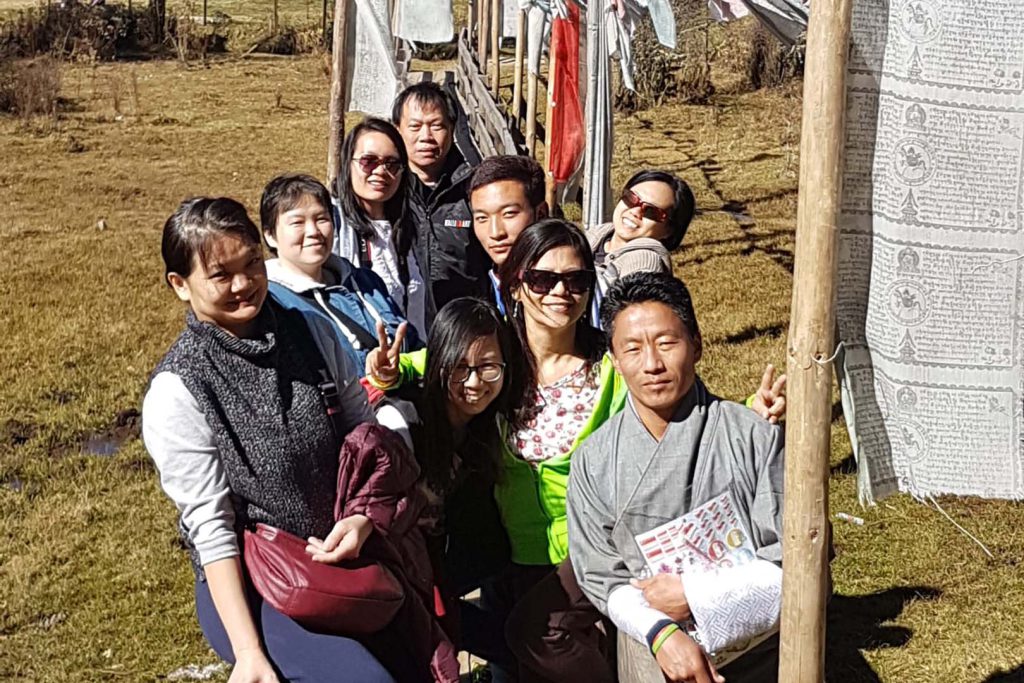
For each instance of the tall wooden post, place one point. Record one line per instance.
(551, 189)
(339, 91)
(811, 343)
(323, 24)
(274, 25)
(531, 113)
(483, 14)
(204, 10)
(517, 85)
(495, 47)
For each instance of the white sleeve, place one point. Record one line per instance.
(631, 614)
(390, 417)
(182, 446)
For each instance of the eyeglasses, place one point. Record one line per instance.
(543, 281)
(487, 372)
(650, 211)
(371, 162)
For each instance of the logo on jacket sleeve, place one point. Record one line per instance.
(455, 223)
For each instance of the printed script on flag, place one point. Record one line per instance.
(930, 257)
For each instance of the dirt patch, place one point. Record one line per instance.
(127, 426)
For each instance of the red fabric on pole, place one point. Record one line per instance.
(567, 135)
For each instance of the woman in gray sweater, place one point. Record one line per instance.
(649, 223)
(237, 420)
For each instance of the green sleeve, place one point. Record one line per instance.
(411, 367)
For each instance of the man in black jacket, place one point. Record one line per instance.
(446, 248)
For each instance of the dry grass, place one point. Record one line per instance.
(92, 583)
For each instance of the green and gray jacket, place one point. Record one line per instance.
(531, 498)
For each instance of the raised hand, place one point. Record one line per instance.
(770, 399)
(344, 542)
(382, 362)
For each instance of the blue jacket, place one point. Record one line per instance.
(352, 307)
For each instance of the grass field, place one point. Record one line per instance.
(93, 585)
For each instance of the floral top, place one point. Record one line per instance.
(558, 414)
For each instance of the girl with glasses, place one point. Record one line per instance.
(375, 228)
(462, 382)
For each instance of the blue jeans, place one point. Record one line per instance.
(297, 654)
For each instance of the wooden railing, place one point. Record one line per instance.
(491, 129)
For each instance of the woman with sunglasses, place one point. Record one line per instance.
(648, 223)
(374, 227)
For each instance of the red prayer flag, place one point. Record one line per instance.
(567, 117)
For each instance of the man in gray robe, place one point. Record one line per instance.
(675, 448)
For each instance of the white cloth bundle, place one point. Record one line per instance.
(735, 608)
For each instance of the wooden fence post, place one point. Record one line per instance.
(517, 85)
(339, 90)
(811, 341)
(531, 113)
(551, 189)
(481, 35)
(496, 27)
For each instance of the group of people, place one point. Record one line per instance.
(541, 380)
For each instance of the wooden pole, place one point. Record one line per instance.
(339, 90)
(495, 47)
(531, 113)
(812, 325)
(550, 192)
(204, 10)
(517, 85)
(323, 25)
(481, 35)
(274, 18)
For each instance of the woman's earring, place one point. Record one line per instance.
(517, 309)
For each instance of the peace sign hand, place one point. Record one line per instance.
(770, 399)
(382, 362)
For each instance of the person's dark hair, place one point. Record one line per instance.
(641, 288)
(535, 241)
(395, 209)
(683, 207)
(457, 326)
(522, 169)
(195, 225)
(284, 193)
(426, 92)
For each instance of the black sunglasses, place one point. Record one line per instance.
(370, 162)
(543, 281)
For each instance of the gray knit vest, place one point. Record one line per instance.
(261, 398)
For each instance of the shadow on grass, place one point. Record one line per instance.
(857, 622)
(1013, 676)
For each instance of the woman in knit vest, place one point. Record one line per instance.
(236, 421)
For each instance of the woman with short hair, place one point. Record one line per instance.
(244, 418)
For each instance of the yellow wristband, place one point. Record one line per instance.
(375, 383)
(662, 636)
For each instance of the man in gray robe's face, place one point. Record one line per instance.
(676, 447)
